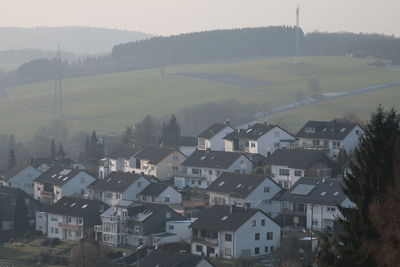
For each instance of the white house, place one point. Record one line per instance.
(117, 186)
(21, 176)
(259, 138)
(175, 232)
(204, 166)
(330, 135)
(212, 137)
(57, 182)
(232, 232)
(120, 160)
(322, 194)
(70, 219)
(245, 190)
(286, 166)
(160, 193)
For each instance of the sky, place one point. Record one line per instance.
(166, 17)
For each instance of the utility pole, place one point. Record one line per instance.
(298, 31)
(58, 113)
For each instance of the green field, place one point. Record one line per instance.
(109, 102)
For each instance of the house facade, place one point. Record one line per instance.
(212, 137)
(232, 232)
(21, 176)
(160, 193)
(204, 166)
(120, 160)
(259, 138)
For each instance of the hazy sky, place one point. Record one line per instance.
(165, 17)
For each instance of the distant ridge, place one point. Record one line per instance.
(78, 40)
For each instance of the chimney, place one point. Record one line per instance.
(323, 180)
(227, 122)
(231, 208)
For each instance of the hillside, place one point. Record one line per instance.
(78, 40)
(109, 102)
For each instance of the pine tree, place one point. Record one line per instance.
(21, 223)
(11, 159)
(61, 153)
(145, 132)
(370, 178)
(53, 153)
(171, 132)
(128, 136)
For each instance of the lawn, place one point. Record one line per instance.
(109, 102)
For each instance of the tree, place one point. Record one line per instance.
(11, 159)
(145, 132)
(88, 253)
(314, 85)
(21, 223)
(128, 136)
(94, 148)
(53, 153)
(368, 183)
(61, 153)
(170, 132)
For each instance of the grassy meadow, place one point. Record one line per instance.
(109, 102)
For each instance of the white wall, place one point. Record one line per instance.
(187, 150)
(41, 222)
(78, 184)
(350, 142)
(265, 144)
(281, 179)
(174, 196)
(24, 179)
(180, 228)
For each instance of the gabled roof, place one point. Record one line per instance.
(316, 190)
(155, 154)
(299, 158)
(187, 141)
(77, 207)
(253, 132)
(123, 152)
(212, 130)
(142, 211)
(58, 176)
(333, 130)
(212, 159)
(219, 218)
(7, 175)
(237, 184)
(115, 182)
(163, 258)
(154, 189)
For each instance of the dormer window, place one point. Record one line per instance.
(310, 130)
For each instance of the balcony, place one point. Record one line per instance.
(205, 241)
(46, 194)
(74, 227)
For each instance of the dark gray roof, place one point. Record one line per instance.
(237, 184)
(187, 141)
(78, 207)
(299, 158)
(115, 182)
(335, 129)
(58, 176)
(212, 130)
(219, 218)
(163, 258)
(123, 152)
(253, 132)
(212, 159)
(311, 190)
(154, 189)
(154, 154)
(7, 175)
(7, 190)
(142, 211)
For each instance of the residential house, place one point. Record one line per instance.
(187, 145)
(312, 202)
(57, 182)
(232, 232)
(212, 137)
(135, 224)
(120, 159)
(286, 166)
(161, 162)
(162, 258)
(117, 186)
(175, 232)
(332, 136)
(204, 166)
(160, 193)
(189, 208)
(259, 138)
(245, 190)
(70, 219)
(21, 176)
(8, 200)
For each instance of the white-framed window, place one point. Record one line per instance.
(266, 189)
(228, 237)
(171, 227)
(253, 145)
(199, 248)
(196, 171)
(228, 252)
(166, 199)
(270, 235)
(253, 223)
(277, 145)
(298, 173)
(256, 250)
(335, 144)
(331, 209)
(56, 230)
(284, 172)
(315, 222)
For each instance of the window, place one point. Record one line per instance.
(54, 219)
(69, 220)
(79, 221)
(284, 172)
(78, 234)
(228, 252)
(298, 173)
(257, 236)
(253, 145)
(199, 248)
(335, 144)
(51, 230)
(276, 134)
(175, 157)
(199, 182)
(266, 189)
(256, 250)
(285, 184)
(174, 168)
(271, 249)
(315, 142)
(171, 227)
(166, 199)
(196, 171)
(262, 222)
(315, 222)
(246, 143)
(228, 237)
(270, 236)
(193, 182)
(277, 145)
(266, 249)
(118, 196)
(56, 230)
(137, 228)
(331, 209)
(253, 223)
(210, 172)
(153, 199)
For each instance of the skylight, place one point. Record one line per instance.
(54, 175)
(323, 194)
(342, 130)
(336, 193)
(203, 158)
(239, 185)
(221, 183)
(73, 204)
(324, 130)
(224, 218)
(109, 179)
(249, 130)
(84, 206)
(302, 189)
